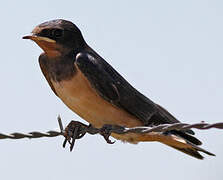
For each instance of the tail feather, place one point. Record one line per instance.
(193, 151)
(187, 137)
(201, 149)
(186, 144)
(190, 152)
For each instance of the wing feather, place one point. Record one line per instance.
(111, 86)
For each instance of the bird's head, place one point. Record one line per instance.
(57, 37)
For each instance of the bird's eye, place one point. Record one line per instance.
(45, 32)
(57, 33)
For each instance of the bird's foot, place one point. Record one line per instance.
(74, 130)
(106, 131)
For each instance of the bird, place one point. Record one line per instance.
(94, 90)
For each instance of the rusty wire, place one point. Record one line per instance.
(113, 129)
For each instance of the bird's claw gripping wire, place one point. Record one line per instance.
(106, 131)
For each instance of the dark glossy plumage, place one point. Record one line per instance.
(115, 89)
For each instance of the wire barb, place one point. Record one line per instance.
(76, 130)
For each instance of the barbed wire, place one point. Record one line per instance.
(112, 129)
(34, 134)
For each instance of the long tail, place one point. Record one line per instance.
(179, 140)
(185, 143)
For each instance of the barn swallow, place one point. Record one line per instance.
(95, 91)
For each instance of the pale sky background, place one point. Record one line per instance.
(171, 51)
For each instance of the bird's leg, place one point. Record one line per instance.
(74, 130)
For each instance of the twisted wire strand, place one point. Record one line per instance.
(34, 134)
(175, 126)
(115, 129)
